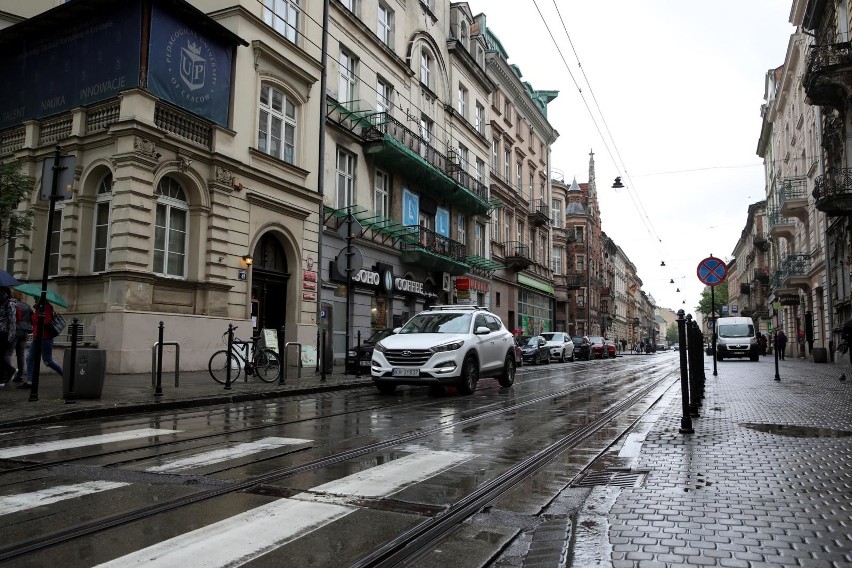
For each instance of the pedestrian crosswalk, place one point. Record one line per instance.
(254, 532)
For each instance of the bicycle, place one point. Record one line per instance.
(263, 362)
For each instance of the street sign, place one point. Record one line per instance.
(712, 271)
(64, 179)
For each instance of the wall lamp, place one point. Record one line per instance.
(248, 259)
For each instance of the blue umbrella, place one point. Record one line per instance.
(7, 279)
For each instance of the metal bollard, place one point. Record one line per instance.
(357, 362)
(158, 389)
(775, 350)
(322, 362)
(71, 397)
(685, 421)
(229, 356)
(692, 358)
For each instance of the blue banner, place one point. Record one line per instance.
(77, 65)
(189, 69)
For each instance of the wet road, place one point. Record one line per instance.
(320, 480)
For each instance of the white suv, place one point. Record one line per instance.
(445, 345)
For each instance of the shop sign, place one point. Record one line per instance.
(309, 296)
(788, 299)
(312, 286)
(368, 277)
(310, 276)
(410, 286)
(533, 283)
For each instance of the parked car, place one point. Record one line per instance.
(535, 349)
(582, 348)
(359, 356)
(610, 348)
(598, 349)
(445, 345)
(560, 344)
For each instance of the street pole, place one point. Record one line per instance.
(39, 330)
(713, 321)
(321, 190)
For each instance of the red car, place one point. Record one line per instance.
(598, 349)
(610, 348)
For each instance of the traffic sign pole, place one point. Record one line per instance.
(712, 272)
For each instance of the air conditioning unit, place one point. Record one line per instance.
(446, 282)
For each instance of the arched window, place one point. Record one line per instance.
(170, 233)
(100, 242)
(276, 134)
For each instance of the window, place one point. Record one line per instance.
(507, 163)
(520, 232)
(100, 245)
(541, 189)
(55, 243)
(462, 102)
(578, 233)
(380, 193)
(495, 99)
(507, 110)
(556, 213)
(384, 27)
(479, 119)
(495, 225)
(283, 17)
(276, 131)
(495, 156)
(383, 96)
(347, 82)
(479, 239)
(461, 232)
(556, 260)
(425, 67)
(425, 135)
(463, 157)
(349, 5)
(580, 262)
(532, 181)
(170, 231)
(480, 171)
(507, 227)
(497, 295)
(9, 253)
(345, 182)
(518, 171)
(427, 3)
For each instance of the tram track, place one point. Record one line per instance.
(501, 484)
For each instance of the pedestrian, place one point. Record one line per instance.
(761, 342)
(781, 343)
(845, 341)
(624, 345)
(24, 329)
(46, 341)
(8, 334)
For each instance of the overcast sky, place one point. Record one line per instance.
(680, 86)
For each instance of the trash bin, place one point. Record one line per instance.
(89, 372)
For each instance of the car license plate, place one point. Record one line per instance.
(364, 363)
(406, 372)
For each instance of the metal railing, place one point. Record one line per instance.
(823, 57)
(793, 188)
(833, 183)
(517, 249)
(439, 244)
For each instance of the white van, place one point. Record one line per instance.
(736, 337)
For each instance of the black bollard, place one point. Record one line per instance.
(775, 350)
(322, 362)
(357, 362)
(692, 360)
(700, 378)
(71, 396)
(685, 421)
(158, 389)
(228, 357)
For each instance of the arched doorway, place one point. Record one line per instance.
(269, 284)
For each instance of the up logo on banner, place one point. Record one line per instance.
(193, 66)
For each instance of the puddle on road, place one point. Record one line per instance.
(797, 431)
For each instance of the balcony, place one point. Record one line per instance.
(780, 226)
(539, 212)
(833, 192)
(793, 196)
(829, 71)
(760, 242)
(517, 256)
(761, 275)
(573, 280)
(435, 252)
(400, 149)
(795, 267)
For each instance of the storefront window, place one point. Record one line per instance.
(378, 313)
(534, 312)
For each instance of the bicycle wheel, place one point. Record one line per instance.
(218, 367)
(267, 365)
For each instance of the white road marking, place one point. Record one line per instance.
(24, 501)
(42, 447)
(225, 454)
(392, 476)
(256, 532)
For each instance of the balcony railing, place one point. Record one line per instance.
(403, 146)
(833, 192)
(793, 197)
(780, 226)
(429, 240)
(517, 255)
(539, 211)
(824, 76)
(761, 275)
(760, 241)
(796, 265)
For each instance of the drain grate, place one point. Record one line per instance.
(612, 478)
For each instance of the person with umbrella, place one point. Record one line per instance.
(24, 328)
(46, 340)
(8, 334)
